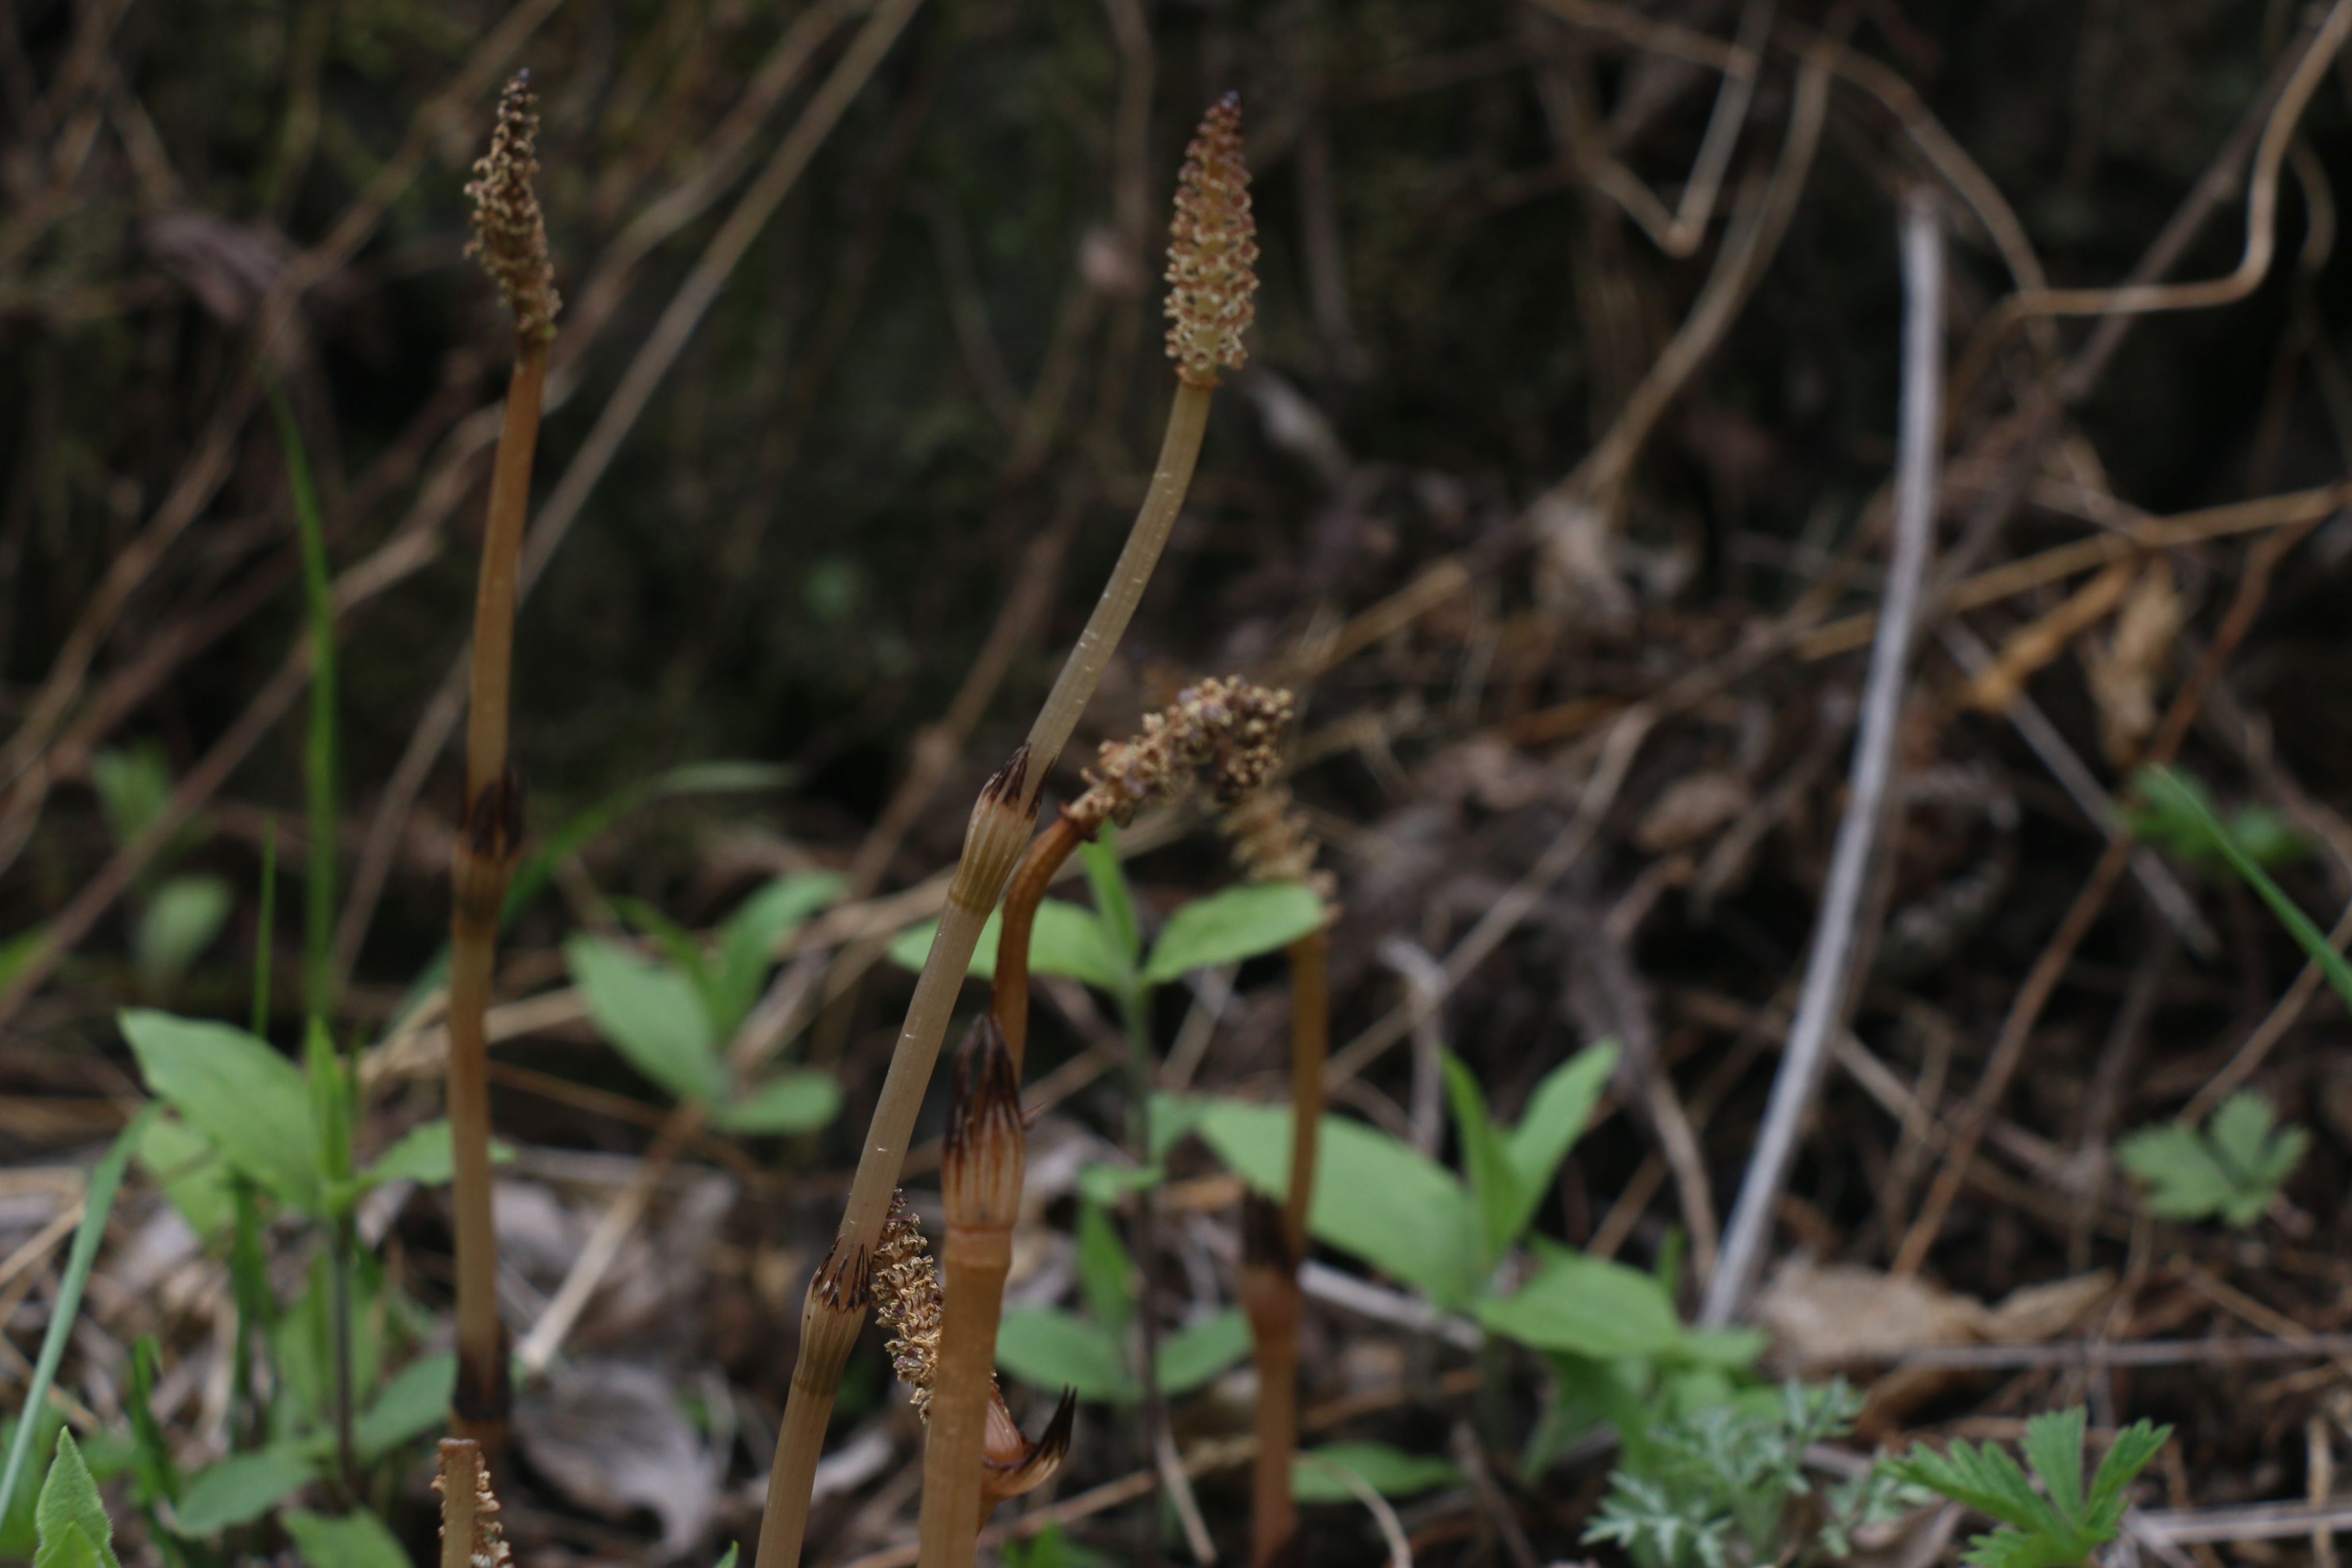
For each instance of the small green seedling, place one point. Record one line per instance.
(2232, 1170)
(2057, 1526)
(1097, 1354)
(672, 1016)
(1717, 1487)
(72, 1521)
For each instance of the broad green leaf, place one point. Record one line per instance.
(1048, 1348)
(1588, 1306)
(747, 944)
(179, 923)
(1066, 940)
(415, 1402)
(1392, 1472)
(352, 1541)
(2185, 1180)
(425, 1154)
(1104, 1271)
(796, 1099)
(1110, 1185)
(677, 944)
(239, 1491)
(652, 1014)
(1199, 1353)
(192, 1174)
(2232, 1169)
(233, 1089)
(72, 1521)
(2165, 790)
(1375, 1197)
(1114, 903)
(1492, 1182)
(1232, 924)
(1555, 1119)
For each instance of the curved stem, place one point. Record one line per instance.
(1009, 998)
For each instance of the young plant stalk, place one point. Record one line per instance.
(470, 1534)
(1273, 843)
(510, 238)
(980, 1177)
(1211, 253)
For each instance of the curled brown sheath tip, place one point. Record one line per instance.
(1014, 1465)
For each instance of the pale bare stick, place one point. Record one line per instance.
(1822, 1002)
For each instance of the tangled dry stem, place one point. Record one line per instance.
(510, 230)
(1212, 250)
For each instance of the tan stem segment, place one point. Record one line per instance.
(487, 846)
(459, 1485)
(1269, 1291)
(981, 1174)
(999, 828)
(1009, 999)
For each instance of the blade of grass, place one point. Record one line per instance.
(98, 1202)
(2313, 941)
(319, 749)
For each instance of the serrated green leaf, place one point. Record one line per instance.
(1986, 1479)
(796, 1099)
(1375, 1197)
(72, 1521)
(1198, 1353)
(1586, 1306)
(748, 943)
(2232, 1169)
(1494, 1182)
(250, 1101)
(1230, 925)
(1555, 1118)
(1114, 901)
(352, 1541)
(1104, 1271)
(1066, 940)
(1392, 1472)
(1048, 1348)
(2128, 1455)
(654, 1015)
(240, 1490)
(2053, 1446)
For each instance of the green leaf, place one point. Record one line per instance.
(1375, 1197)
(1114, 903)
(1232, 924)
(1556, 1116)
(239, 1491)
(1984, 1478)
(415, 1402)
(1066, 940)
(748, 943)
(2053, 1446)
(233, 1089)
(425, 1154)
(1053, 1349)
(194, 1175)
(352, 1541)
(2128, 1455)
(796, 1099)
(652, 1014)
(179, 923)
(1392, 1472)
(1111, 1186)
(726, 1558)
(72, 1523)
(1588, 1306)
(2233, 1169)
(1103, 1270)
(1494, 1184)
(2167, 791)
(1199, 1353)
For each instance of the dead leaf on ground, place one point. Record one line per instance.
(611, 1438)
